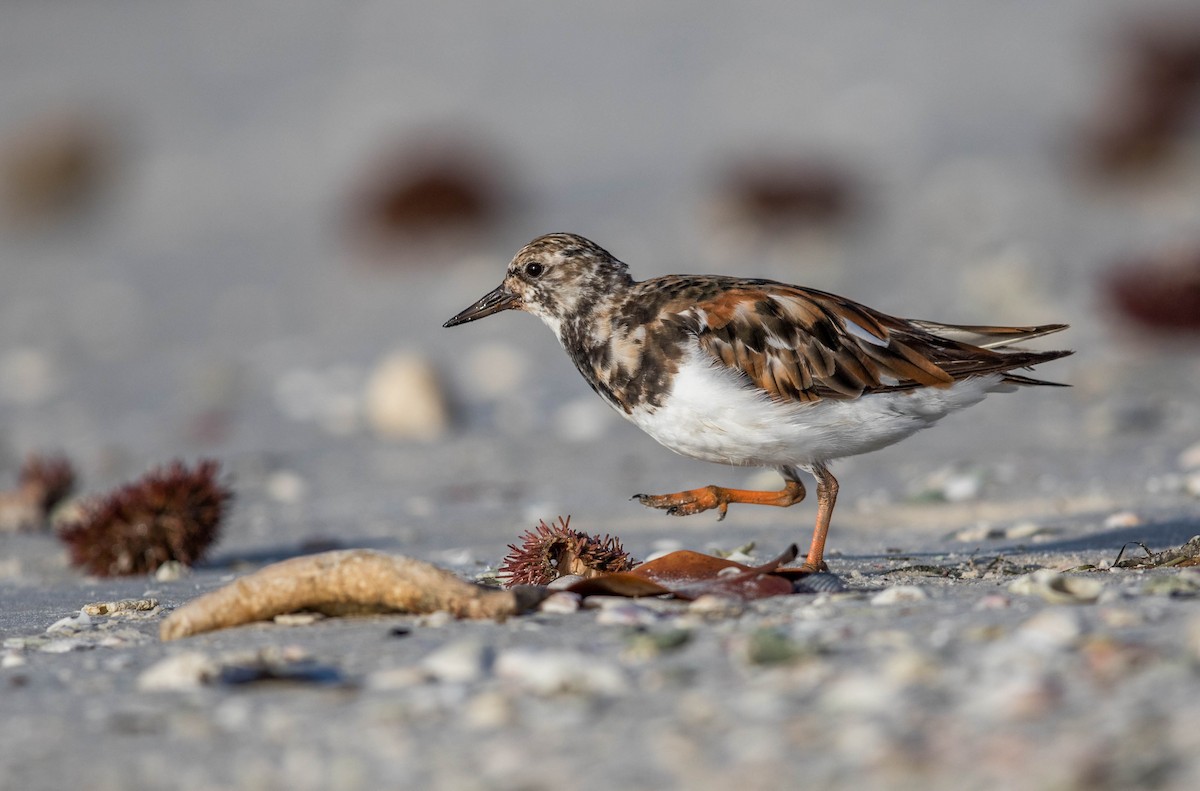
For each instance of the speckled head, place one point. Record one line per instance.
(555, 277)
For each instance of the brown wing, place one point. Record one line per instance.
(804, 345)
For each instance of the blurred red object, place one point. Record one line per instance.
(1154, 99)
(783, 193)
(52, 166)
(1160, 293)
(424, 191)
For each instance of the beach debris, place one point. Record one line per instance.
(1159, 291)
(437, 187)
(171, 513)
(1057, 588)
(346, 582)
(122, 607)
(43, 483)
(688, 575)
(781, 193)
(1145, 120)
(1186, 555)
(550, 551)
(899, 594)
(53, 167)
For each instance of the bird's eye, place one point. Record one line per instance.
(535, 269)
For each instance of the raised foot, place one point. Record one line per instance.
(693, 501)
(690, 502)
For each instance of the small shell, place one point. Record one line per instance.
(1057, 588)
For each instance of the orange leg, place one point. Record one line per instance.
(827, 489)
(693, 501)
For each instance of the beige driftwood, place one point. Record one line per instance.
(344, 582)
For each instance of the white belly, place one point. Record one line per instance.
(713, 415)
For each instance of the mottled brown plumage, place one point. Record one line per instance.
(754, 372)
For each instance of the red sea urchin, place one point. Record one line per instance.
(550, 551)
(171, 513)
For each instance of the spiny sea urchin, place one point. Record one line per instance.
(171, 513)
(550, 551)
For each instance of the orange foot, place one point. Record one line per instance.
(693, 501)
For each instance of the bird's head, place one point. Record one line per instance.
(555, 277)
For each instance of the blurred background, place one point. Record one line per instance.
(236, 231)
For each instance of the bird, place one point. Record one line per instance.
(753, 372)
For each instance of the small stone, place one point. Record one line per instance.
(65, 645)
(561, 603)
(993, 601)
(1177, 585)
(1054, 629)
(70, 624)
(436, 620)
(459, 662)
(1189, 459)
(489, 711)
(899, 594)
(1057, 588)
(980, 532)
(628, 614)
(27, 376)
(557, 672)
(646, 645)
(1122, 519)
(773, 647)
(404, 399)
(170, 571)
(285, 486)
(710, 605)
(1191, 484)
(190, 670)
(564, 582)
(12, 659)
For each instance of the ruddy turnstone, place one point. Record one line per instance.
(752, 372)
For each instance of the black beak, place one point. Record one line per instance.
(494, 301)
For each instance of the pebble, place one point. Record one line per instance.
(1122, 519)
(1057, 588)
(1054, 629)
(27, 376)
(561, 602)
(564, 582)
(1189, 458)
(488, 711)
(190, 670)
(555, 672)
(70, 624)
(404, 400)
(628, 614)
(171, 571)
(899, 594)
(462, 662)
(710, 605)
(12, 659)
(285, 486)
